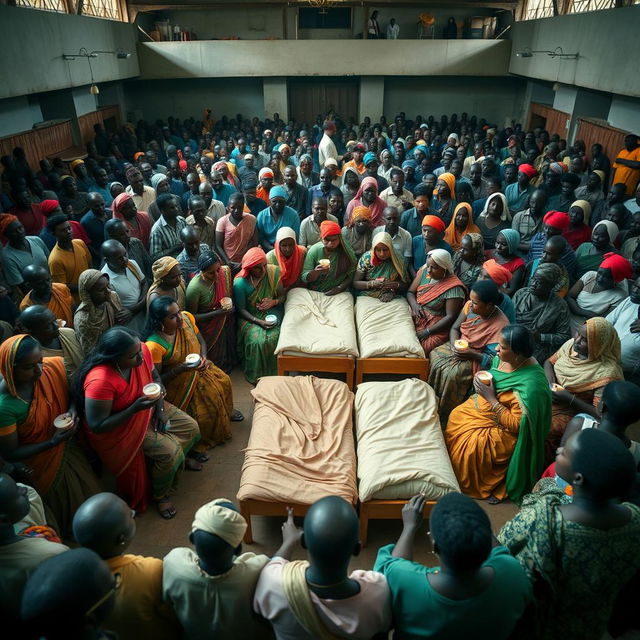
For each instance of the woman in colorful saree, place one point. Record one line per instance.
(167, 281)
(496, 437)
(257, 294)
(199, 389)
(579, 551)
(33, 394)
(288, 255)
(436, 297)
(334, 277)
(124, 426)
(381, 273)
(215, 319)
(578, 373)
(472, 345)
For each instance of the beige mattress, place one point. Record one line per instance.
(301, 444)
(386, 329)
(317, 324)
(401, 450)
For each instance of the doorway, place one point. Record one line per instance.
(310, 97)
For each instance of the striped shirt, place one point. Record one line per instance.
(163, 236)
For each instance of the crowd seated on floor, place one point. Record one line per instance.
(136, 278)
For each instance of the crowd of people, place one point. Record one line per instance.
(136, 278)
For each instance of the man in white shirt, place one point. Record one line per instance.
(326, 148)
(625, 321)
(211, 589)
(395, 195)
(400, 237)
(310, 226)
(305, 600)
(393, 30)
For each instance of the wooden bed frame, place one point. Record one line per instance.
(252, 507)
(410, 366)
(384, 510)
(324, 364)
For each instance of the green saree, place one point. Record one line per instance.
(256, 346)
(343, 264)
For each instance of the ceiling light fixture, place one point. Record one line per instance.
(83, 53)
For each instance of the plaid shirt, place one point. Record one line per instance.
(164, 236)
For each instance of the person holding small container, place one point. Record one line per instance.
(193, 383)
(496, 437)
(140, 438)
(259, 297)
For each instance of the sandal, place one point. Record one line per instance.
(192, 465)
(168, 512)
(198, 456)
(236, 416)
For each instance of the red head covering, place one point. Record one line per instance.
(528, 170)
(329, 228)
(6, 219)
(557, 219)
(117, 203)
(138, 155)
(252, 258)
(48, 206)
(182, 163)
(499, 274)
(620, 267)
(435, 222)
(290, 268)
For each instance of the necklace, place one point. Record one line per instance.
(326, 586)
(523, 361)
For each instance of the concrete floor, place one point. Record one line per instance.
(220, 478)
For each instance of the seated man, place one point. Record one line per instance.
(53, 295)
(105, 524)
(478, 592)
(164, 239)
(118, 230)
(625, 319)
(211, 589)
(40, 322)
(192, 249)
(200, 219)
(127, 280)
(19, 555)
(310, 226)
(314, 599)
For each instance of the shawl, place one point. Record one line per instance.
(290, 268)
(429, 291)
(91, 321)
(531, 387)
(602, 364)
(376, 207)
(452, 235)
(384, 238)
(506, 215)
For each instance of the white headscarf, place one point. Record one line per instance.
(612, 229)
(442, 258)
(221, 521)
(506, 216)
(285, 232)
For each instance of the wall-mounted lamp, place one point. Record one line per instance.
(83, 53)
(556, 53)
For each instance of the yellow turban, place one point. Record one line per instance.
(221, 521)
(74, 163)
(162, 266)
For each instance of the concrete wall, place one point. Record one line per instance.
(154, 99)
(624, 113)
(498, 100)
(305, 58)
(33, 43)
(18, 114)
(606, 42)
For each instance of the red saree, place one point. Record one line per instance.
(121, 449)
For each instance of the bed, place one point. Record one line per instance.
(387, 339)
(401, 449)
(318, 334)
(300, 449)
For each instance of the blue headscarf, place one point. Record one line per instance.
(512, 238)
(368, 157)
(278, 191)
(410, 163)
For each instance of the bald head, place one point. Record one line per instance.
(331, 532)
(14, 501)
(105, 524)
(35, 318)
(34, 272)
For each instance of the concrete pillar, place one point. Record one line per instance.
(276, 97)
(371, 101)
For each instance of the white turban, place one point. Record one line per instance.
(221, 521)
(330, 162)
(284, 233)
(442, 258)
(612, 229)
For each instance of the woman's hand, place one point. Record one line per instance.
(486, 391)
(123, 316)
(466, 354)
(423, 333)
(266, 303)
(416, 310)
(290, 533)
(387, 296)
(334, 292)
(142, 403)
(61, 435)
(264, 324)
(322, 271)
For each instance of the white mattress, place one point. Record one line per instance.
(317, 324)
(401, 449)
(386, 329)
